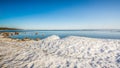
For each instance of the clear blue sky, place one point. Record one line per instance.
(60, 14)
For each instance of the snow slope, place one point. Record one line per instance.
(53, 52)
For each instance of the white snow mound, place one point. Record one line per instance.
(53, 52)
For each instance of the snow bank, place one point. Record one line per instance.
(53, 52)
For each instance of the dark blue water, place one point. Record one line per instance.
(64, 33)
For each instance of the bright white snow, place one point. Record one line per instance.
(53, 52)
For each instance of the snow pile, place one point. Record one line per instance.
(53, 52)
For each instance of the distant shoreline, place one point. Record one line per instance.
(5, 28)
(116, 30)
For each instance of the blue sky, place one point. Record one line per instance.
(60, 14)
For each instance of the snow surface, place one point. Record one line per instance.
(53, 52)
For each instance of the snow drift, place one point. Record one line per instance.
(53, 52)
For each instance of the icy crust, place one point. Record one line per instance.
(53, 52)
